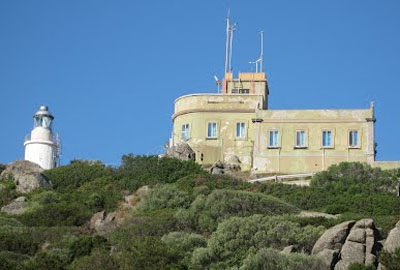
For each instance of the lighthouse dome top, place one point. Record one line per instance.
(43, 111)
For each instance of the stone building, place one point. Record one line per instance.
(236, 125)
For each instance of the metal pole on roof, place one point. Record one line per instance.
(262, 51)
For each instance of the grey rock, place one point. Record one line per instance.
(288, 250)
(181, 151)
(333, 238)
(352, 252)
(220, 167)
(352, 242)
(17, 207)
(142, 191)
(356, 235)
(393, 240)
(329, 256)
(104, 224)
(27, 176)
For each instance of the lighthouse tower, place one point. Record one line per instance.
(42, 146)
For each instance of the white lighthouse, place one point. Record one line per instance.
(42, 146)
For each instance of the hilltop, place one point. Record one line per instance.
(164, 213)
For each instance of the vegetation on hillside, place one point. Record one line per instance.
(189, 219)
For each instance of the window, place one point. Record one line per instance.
(301, 138)
(326, 138)
(212, 130)
(240, 130)
(273, 138)
(240, 91)
(353, 138)
(185, 132)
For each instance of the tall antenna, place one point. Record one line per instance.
(259, 62)
(262, 50)
(229, 44)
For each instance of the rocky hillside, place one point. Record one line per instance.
(163, 213)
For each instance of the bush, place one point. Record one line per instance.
(207, 211)
(164, 196)
(98, 259)
(18, 239)
(391, 260)
(76, 174)
(233, 239)
(186, 242)
(271, 259)
(62, 213)
(137, 171)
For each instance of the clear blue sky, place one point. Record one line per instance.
(110, 70)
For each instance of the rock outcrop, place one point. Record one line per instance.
(17, 207)
(27, 176)
(333, 238)
(223, 168)
(105, 223)
(181, 151)
(349, 242)
(393, 240)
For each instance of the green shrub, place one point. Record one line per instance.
(186, 242)
(75, 174)
(271, 259)
(391, 260)
(164, 196)
(17, 239)
(137, 171)
(207, 211)
(11, 260)
(235, 237)
(98, 259)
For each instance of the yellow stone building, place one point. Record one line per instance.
(236, 125)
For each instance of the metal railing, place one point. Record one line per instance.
(278, 178)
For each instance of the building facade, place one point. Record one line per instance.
(237, 126)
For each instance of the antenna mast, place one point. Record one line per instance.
(259, 62)
(229, 44)
(262, 50)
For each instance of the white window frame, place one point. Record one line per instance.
(300, 142)
(185, 132)
(352, 138)
(273, 138)
(329, 143)
(240, 130)
(212, 130)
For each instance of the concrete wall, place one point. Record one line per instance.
(386, 165)
(287, 158)
(225, 144)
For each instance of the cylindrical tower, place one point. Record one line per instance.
(42, 147)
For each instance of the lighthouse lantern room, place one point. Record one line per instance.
(42, 146)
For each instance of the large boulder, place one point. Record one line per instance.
(16, 207)
(27, 176)
(105, 223)
(220, 167)
(333, 238)
(181, 151)
(349, 242)
(393, 240)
